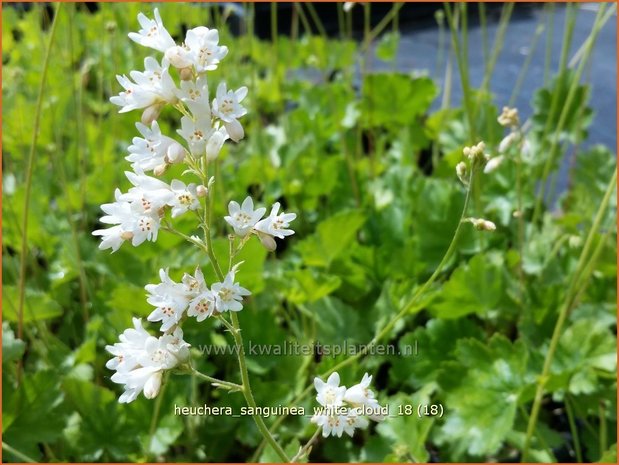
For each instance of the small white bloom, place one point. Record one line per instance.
(227, 107)
(331, 423)
(216, 142)
(153, 33)
(361, 394)
(229, 295)
(185, 198)
(169, 299)
(195, 95)
(153, 149)
(151, 194)
(243, 217)
(152, 88)
(330, 394)
(204, 47)
(196, 132)
(276, 224)
(179, 56)
(141, 359)
(476, 152)
(354, 420)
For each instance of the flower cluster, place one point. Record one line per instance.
(344, 410)
(192, 297)
(245, 220)
(140, 360)
(179, 80)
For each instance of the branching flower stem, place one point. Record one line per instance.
(238, 338)
(574, 290)
(406, 309)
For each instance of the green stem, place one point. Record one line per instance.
(306, 447)
(16, 453)
(570, 418)
(409, 305)
(600, 20)
(28, 181)
(572, 292)
(464, 76)
(217, 382)
(247, 392)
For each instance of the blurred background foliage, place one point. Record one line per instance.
(367, 163)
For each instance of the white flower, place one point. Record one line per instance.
(154, 149)
(196, 132)
(227, 107)
(243, 217)
(330, 394)
(229, 295)
(127, 351)
(276, 224)
(152, 88)
(185, 198)
(132, 222)
(216, 142)
(203, 45)
(153, 33)
(352, 421)
(195, 95)
(202, 306)
(344, 410)
(151, 194)
(493, 164)
(141, 359)
(169, 299)
(332, 424)
(179, 56)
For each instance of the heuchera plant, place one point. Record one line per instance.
(141, 360)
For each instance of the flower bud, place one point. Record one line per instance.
(461, 172)
(175, 153)
(153, 385)
(202, 191)
(493, 164)
(481, 225)
(509, 117)
(186, 74)
(267, 241)
(160, 169)
(151, 113)
(214, 145)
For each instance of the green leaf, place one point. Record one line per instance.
(309, 285)
(12, 348)
(476, 287)
(482, 390)
(387, 47)
(331, 239)
(37, 306)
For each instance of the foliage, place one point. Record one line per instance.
(374, 222)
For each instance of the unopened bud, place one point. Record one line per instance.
(202, 191)
(475, 152)
(151, 113)
(153, 385)
(160, 169)
(509, 117)
(126, 236)
(461, 173)
(186, 74)
(481, 224)
(493, 164)
(267, 241)
(175, 153)
(214, 145)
